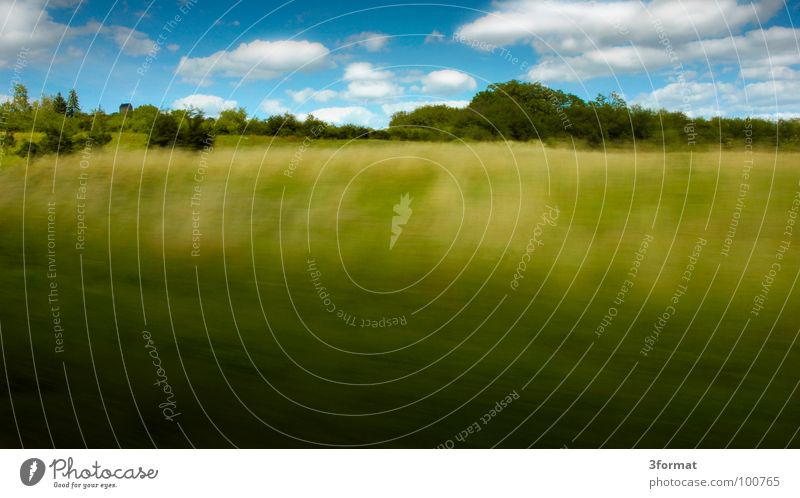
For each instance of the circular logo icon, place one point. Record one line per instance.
(31, 471)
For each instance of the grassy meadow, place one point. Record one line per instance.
(248, 296)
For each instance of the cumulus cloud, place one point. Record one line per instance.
(447, 82)
(581, 39)
(29, 32)
(757, 54)
(272, 107)
(777, 98)
(600, 62)
(130, 41)
(372, 90)
(211, 105)
(693, 98)
(307, 94)
(767, 72)
(357, 115)
(435, 36)
(258, 60)
(572, 26)
(578, 40)
(753, 52)
(369, 83)
(33, 36)
(370, 40)
(365, 71)
(64, 3)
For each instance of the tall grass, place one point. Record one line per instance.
(255, 357)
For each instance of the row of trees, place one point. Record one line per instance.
(511, 111)
(526, 111)
(58, 122)
(191, 128)
(62, 125)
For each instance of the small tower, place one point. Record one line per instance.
(124, 108)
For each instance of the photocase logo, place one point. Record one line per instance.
(403, 213)
(31, 471)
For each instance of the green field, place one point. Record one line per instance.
(212, 265)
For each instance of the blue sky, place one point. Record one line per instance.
(360, 61)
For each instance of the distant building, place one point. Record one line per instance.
(123, 108)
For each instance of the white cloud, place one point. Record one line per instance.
(390, 109)
(766, 72)
(365, 71)
(63, 3)
(29, 32)
(778, 115)
(257, 60)
(435, 36)
(31, 35)
(372, 90)
(752, 51)
(307, 94)
(369, 83)
(586, 39)
(447, 82)
(573, 26)
(779, 98)
(130, 41)
(579, 40)
(272, 107)
(370, 40)
(347, 115)
(211, 105)
(598, 63)
(693, 98)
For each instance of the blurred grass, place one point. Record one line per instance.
(262, 363)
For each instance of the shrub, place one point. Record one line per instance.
(57, 141)
(28, 148)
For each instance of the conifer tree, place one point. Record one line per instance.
(59, 104)
(73, 106)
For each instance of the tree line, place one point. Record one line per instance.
(531, 111)
(512, 110)
(59, 121)
(58, 124)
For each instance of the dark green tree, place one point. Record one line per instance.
(232, 121)
(57, 141)
(432, 122)
(142, 118)
(164, 131)
(73, 106)
(97, 137)
(59, 104)
(193, 132)
(183, 128)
